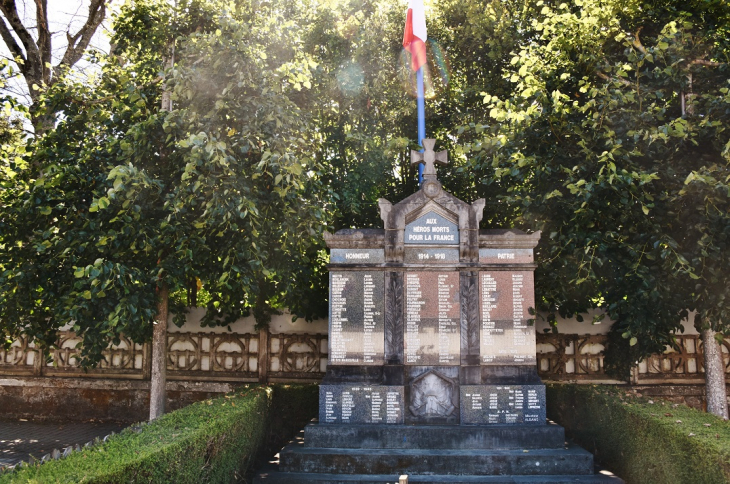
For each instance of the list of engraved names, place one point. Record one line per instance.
(414, 302)
(369, 313)
(364, 404)
(432, 318)
(520, 331)
(489, 302)
(356, 318)
(338, 317)
(518, 313)
(506, 337)
(447, 324)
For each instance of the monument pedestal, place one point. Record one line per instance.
(432, 354)
(376, 453)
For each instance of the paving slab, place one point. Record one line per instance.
(21, 439)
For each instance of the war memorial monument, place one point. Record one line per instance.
(432, 360)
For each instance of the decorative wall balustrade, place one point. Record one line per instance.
(201, 356)
(268, 356)
(570, 356)
(573, 357)
(686, 361)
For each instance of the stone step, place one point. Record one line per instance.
(550, 436)
(274, 477)
(566, 461)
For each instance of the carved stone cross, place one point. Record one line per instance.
(428, 158)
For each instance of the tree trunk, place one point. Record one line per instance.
(41, 120)
(159, 357)
(159, 333)
(716, 391)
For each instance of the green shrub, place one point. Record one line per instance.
(217, 440)
(642, 442)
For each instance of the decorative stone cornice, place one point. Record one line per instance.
(512, 238)
(355, 239)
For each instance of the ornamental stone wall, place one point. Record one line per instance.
(202, 364)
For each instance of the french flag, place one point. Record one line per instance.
(414, 37)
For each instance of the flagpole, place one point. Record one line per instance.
(414, 41)
(421, 117)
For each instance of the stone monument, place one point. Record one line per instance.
(432, 357)
(429, 318)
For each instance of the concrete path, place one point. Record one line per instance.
(20, 439)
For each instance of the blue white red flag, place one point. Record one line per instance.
(414, 37)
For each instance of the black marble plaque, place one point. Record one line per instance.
(503, 404)
(507, 337)
(359, 404)
(431, 256)
(356, 327)
(357, 256)
(431, 229)
(433, 311)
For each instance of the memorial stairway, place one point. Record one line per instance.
(331, 454)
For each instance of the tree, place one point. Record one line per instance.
(33, 53)
(632, 184)
(133, 201)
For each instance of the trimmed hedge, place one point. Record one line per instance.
(642, 442)
(218, 440)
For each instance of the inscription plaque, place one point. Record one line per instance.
(503, 404)
(433, 312)
(356, 318)
(506, 256)
(432, 229)
(506, 335)
(377, 404)
(431, 256)
(357, 256)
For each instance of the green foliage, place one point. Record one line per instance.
(124, 198)
(249, 183)
(629, 187)
(64, 259)
(360, 104)
(363, 101)
(642, 442)
(12, 144)
(215, 440)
